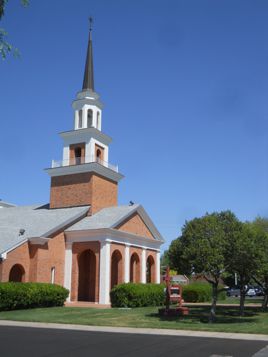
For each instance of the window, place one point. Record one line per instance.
(98, 154)
(89, 118)
(80, 118)
(77, 154)
(52, 279)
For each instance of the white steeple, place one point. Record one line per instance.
(87, 106)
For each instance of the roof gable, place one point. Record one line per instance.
(117, 216)
(135, 225)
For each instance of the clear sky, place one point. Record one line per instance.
(185, 87)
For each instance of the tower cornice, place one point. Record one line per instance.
(85, 134)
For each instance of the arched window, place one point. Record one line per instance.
(150, 270)
(116, 269)
(98, 154)
(98, 120)
(77, 154)
(17, 273)
(80, 118)
(89, 118)
(135, 268)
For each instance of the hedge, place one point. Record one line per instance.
(137, 295)
(29, 295)
(199, 292)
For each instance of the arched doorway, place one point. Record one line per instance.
(150, 270)
(116, 269)
(17, 273)
(87, 276)
(135, 268)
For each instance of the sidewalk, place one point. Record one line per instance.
(131, 330)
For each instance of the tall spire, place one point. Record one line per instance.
(88, 83)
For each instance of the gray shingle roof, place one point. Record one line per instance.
(106, 218)
(37, 221)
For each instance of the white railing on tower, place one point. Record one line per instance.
(81, 161)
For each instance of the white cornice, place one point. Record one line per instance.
(87, 167)
(112, 235)
(84, 134)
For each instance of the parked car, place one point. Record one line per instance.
(233, 292)
(258, 291)
(251, 292)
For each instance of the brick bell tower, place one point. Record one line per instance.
(84, 176)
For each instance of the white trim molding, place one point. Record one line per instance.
(113, 236)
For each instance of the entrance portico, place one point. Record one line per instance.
(99, 262)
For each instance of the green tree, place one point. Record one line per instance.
(201, 249)
(243, 257)
(5, 46)
(260, 225)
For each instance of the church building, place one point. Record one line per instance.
(82, 240)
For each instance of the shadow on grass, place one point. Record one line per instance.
(223, 316)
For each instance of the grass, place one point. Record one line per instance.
(228, 319)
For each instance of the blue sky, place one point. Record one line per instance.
(185, 87)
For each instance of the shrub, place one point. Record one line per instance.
(200, 292)
(137, 295)
(28, 295)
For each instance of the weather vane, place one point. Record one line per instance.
(90, 23)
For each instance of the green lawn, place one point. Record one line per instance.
(227, 321)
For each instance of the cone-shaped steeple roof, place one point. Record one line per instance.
(88, 83)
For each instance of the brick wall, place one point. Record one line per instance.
(20, 256)
(135, 225)
(37, 261)
(83, 189)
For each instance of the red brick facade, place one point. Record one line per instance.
(38, 260)
(81, 190)
(135, 225)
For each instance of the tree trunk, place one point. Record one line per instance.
(212, 316)
(242, 301)
(265, 301)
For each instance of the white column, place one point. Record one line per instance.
(76, 118)
(157, 267)
(94, 118)
(84, 118)
(68, 268)
(127, 264)
(105, 258)
(143, 266)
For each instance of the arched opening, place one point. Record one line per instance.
(116, 269)
(150, 270)
(87, 276)
(98, 154)
(134, 268)
(98, 120)
(77, 155)
(17, 273)
(80, 118)
(89, 118)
